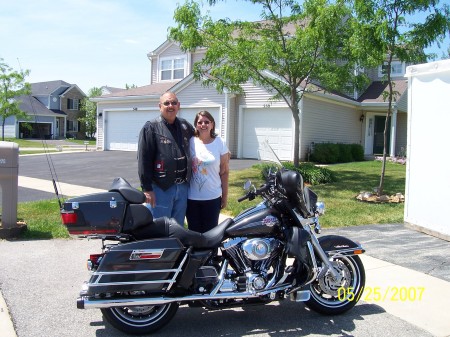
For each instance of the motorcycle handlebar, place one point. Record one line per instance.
(251, 195)
(243, 198)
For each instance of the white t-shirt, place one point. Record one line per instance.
(205, 182)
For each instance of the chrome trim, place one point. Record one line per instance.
(75, 205)
(346, 252)
(85, 302)
(135, 272)
(113, 204)
(93, 285)
(315, 243)
(179, 269)
(136, 254)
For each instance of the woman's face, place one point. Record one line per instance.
(204, 125)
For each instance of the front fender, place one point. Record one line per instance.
(336, 244)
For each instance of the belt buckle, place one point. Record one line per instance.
(179, 181)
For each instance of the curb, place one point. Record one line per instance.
(6, 325)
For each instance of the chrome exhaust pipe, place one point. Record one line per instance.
(86, 302)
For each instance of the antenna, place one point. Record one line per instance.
(51, 166)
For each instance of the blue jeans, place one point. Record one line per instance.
(171, 203)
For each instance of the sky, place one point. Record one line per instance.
(93, 43)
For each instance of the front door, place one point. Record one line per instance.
(378, 135)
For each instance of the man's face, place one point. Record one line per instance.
(169, 106)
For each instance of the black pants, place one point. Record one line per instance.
(203, 215)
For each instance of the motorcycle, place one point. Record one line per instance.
(148, 267)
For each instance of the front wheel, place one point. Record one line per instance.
(331, 296)
(140, 320)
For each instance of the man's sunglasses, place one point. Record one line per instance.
(173, 103)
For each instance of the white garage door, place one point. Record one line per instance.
(123, 127)
(274, 125)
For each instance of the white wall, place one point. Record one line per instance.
(427, 168)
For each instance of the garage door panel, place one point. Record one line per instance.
(123, 127)
(273, 125)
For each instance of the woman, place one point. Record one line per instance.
(208, 190)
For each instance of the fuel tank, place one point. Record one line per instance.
(257, 221)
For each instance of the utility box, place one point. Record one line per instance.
(9, 178)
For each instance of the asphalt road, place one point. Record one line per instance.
(90, 168)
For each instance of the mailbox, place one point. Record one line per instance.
(9, 172)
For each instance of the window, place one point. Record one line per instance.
(72, 104)
(397, 69)
(173, 69)
(72, 125)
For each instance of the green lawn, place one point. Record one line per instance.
(342, 209)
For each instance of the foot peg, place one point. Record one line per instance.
(300, 296)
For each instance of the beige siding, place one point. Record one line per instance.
(402, 127)
(323, 121)
(257, 96)
(172, 50)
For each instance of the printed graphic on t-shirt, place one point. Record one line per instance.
(200, 165)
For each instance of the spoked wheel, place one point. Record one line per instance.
(331, 296)
(140, 320)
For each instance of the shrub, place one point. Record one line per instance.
(357, 152)
(329, 153)
(311, 173)
(325, 153)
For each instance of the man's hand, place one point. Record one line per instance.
(150, 198)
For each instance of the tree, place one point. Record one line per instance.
(293, 49)
(89, 109)
(13, 86)
(385, 31)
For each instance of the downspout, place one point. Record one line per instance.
(300, 134)
(393, 133)
(225, 120)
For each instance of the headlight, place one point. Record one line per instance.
(320, 208)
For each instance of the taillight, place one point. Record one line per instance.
(69, 218)
(94, 261)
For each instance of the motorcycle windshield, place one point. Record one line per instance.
(266, 153)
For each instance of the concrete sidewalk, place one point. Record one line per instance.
(408, 294)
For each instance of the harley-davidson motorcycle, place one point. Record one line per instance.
(148, 267)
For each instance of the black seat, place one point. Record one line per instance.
(167, 227)
(131, 194)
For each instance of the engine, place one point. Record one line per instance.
(253, 260)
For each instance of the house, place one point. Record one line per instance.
(426, 193)
(106, 90)
(245, 120)
(53, 108)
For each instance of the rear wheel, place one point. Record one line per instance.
(331, 296)
(140, 320)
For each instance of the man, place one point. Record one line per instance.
(164, 162)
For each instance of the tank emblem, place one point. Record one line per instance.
(146, 254)
(270, 221)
